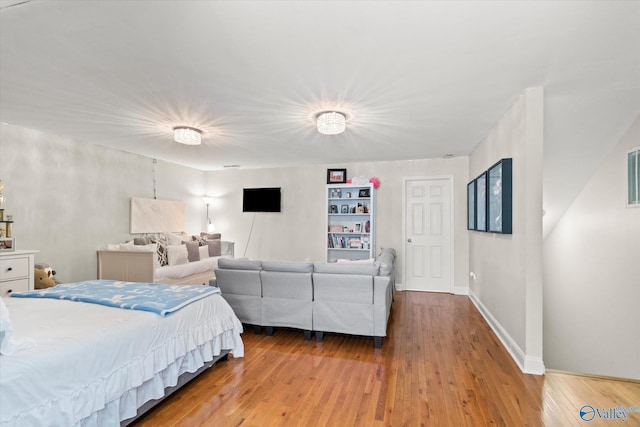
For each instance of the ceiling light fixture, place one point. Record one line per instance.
(187, 135)
(331, 122)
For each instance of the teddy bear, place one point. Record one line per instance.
(41, 279)
(47, 269)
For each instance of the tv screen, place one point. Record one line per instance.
(261, 200)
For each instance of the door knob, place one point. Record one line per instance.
(409, 240)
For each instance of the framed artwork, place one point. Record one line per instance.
(364, 193)
(7, 244)
(333, 209)
(336, 176)
(471, 205)
(481, 202)
(344, 209)
(358, 227)
(499, 197)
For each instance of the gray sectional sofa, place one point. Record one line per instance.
(343, 297)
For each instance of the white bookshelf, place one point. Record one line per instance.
(350, 221)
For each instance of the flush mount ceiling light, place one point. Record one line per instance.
(187, 135)
(331, 122)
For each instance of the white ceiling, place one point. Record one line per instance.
(417, 79)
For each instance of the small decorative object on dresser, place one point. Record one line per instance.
(7, 244)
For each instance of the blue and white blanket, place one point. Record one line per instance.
(160, 299)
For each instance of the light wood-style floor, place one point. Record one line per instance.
(441, 365)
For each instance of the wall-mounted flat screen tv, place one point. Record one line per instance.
(261, 199)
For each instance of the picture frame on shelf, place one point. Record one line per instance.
(358, 227)
(499, 197)
(336, 176)
(364, 192)
(333, 209)
(7, 244)
(348, 194)
(344, 209)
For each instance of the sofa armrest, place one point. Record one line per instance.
(383, 297)
(131, 266)
(382, 290)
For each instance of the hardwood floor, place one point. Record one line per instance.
(441, 365)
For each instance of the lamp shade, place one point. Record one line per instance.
(331, 122)
(187, 135)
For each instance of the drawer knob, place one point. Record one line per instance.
(9, 291)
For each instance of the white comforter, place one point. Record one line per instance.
(95, 365)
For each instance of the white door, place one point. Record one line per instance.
(428, 236)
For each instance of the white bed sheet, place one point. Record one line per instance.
(95, 365)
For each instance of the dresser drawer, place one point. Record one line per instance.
(12, 268)
(18, 285)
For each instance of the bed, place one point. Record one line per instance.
(94, 365)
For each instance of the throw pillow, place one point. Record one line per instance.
(203, 252)
(208, 236)
(176, 238)
(201, 240)
(177, 254)
(214, 247)
(141, 241)
(193, 253)
(162, 250)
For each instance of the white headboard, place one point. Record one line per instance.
(156, 216)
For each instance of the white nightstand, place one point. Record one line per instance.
(16, 271)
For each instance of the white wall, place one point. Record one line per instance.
(592, 276)
(299, 233)
(69, 199)
(508, 268)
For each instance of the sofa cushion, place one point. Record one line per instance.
(345, 268)
(239, 264)
(285, 266)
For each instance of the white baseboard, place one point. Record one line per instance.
(527, 364)
(461, 290)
